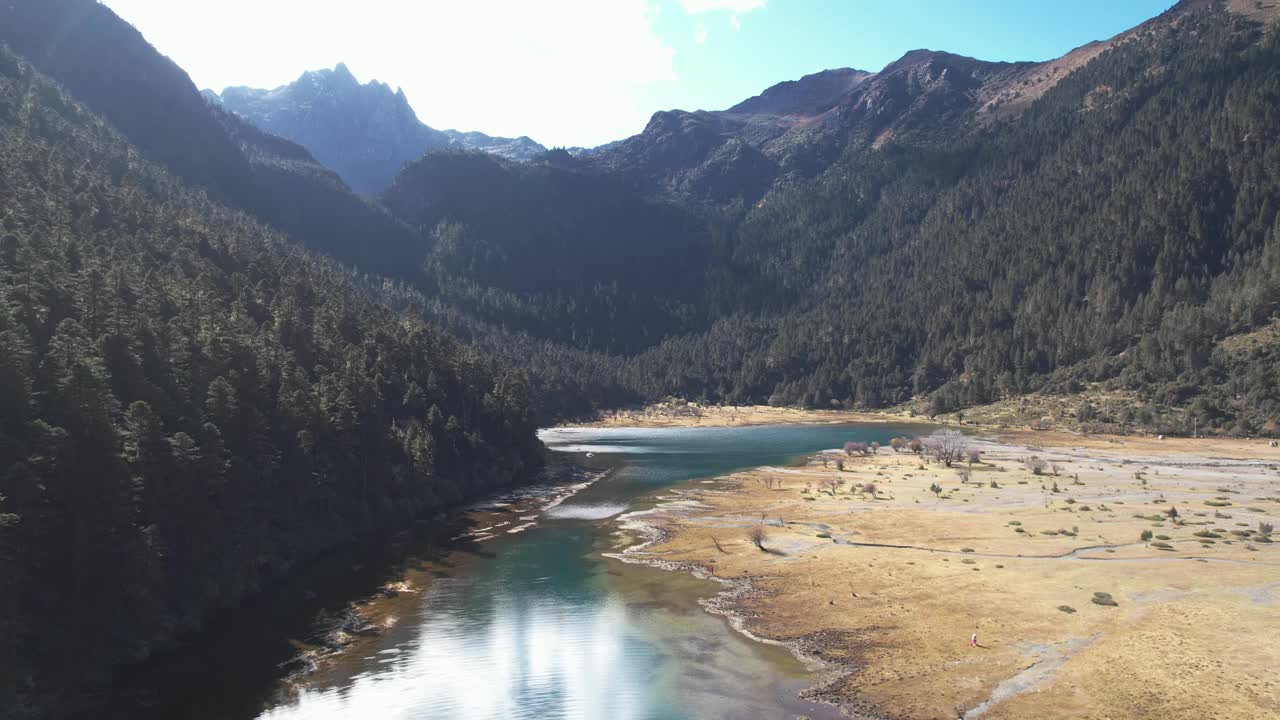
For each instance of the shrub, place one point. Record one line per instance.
(1044, 423)
(936, 489)
(1036, 465)
(1066, 609)
(973, 455)
(1146, 536)
(947, 446)
(897, 444)
(758, 536)
(858, 448)
(1266, 528)
(1162, 545)
(1101, 598)
(916, 445)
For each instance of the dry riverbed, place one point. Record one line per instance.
(1076, 615)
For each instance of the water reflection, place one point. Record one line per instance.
(540, 625)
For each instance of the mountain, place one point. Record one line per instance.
(106, 64)
(946, 227)
(364, 132)
(797, 129)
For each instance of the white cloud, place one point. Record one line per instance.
(563, 73)
(696, 7)
(733, 7)
(700, 33)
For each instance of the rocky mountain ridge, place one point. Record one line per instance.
(365, 132)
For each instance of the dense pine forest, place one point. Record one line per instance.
(192, 406)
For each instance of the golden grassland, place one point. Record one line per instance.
(1077, 615)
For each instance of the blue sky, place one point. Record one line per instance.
(584, 72)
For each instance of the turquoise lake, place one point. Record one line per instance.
(539, 624)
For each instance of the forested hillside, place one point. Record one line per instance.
(946, 227)
(1119, 228)
(191, 406)
(557, 250)
(107, 65)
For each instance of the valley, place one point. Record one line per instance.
(283, 362)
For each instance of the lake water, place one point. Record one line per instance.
(540, 625)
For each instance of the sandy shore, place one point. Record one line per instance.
(693, 415)
(886, 589)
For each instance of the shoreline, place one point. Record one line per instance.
(863, 665)
(825, 671)
(682, 414)
(362, 621)
(721, 603)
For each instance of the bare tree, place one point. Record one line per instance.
(916, 445)
(897, 444)
(860, 448)
(973, 455)
(870, 489)
(947, 446)
(875, 448)
(758, 537)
